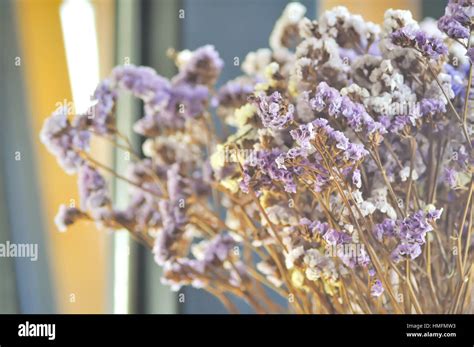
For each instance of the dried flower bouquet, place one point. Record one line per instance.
(344, 182)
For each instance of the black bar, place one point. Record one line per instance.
(318, 330)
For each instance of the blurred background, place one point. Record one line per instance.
(54, 52)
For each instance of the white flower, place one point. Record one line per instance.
(293, 256)
(366, 207)
(313, 257)
(395, 19)
(199, 249)
(330, 18)
(435, 92)
(355, 90)
(232, 221)
(405, 174)
(313, 274)
(379, 199)
(230, 184)
(282, 215)
(218, 158)
(183, 57)
(255, 62)
(243, 114)
(148, 148)
(293, 13)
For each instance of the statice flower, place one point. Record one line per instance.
(101, 115)
(450, 177)
(274, 111)
(320, 130)
(234, 94)
(410, 232)
(198, 271)
(65, 141)
(349, 30)
(337, 143)
(318, 265)
(470, 54)
(431, 107)
(267, 168)
(172, 213)
(201, 67)
(67, 216)
(456, 22)
(93, 191)
(376, 289)
(286, 27)
(329, 100)
(428, 46)
(271, 273)
(142, 82)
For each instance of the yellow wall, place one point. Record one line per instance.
(78, 257)
(373, 10)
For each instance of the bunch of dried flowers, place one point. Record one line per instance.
(345, 185)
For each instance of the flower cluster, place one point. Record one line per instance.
(273, 111)
(430, 47)
(457, 20)
(340, 173)
(410, 233)
(354, 114)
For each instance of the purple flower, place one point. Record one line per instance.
(330, 100)
(303, 135)
(450, 177)
(173, 220)
(92, 188)
(410, 232)
(430, 107)
(67, 216)
(334, 237)
(64, 140)
(452, 27)
(456, 20)
(430, 46)
(470, 54)
(268, 166)
(218, 249)
(410, 250)
(101, 115)
(234, 94)
(342, 142)
(143, 212)
(173, 217)
(326, 96)
(274, 111)
(203, 67)
(144, 83)
(184, 101)
(385, 229)
(166, 104)
(377, 289)
(196, 272)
